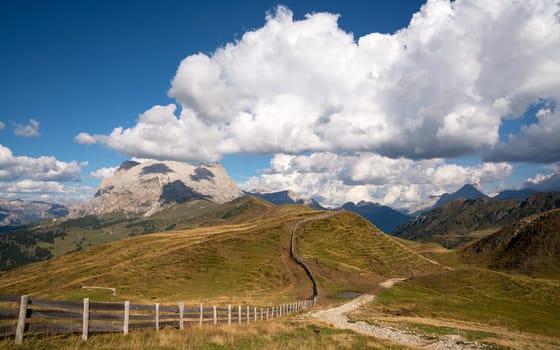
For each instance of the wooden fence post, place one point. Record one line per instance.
(85, 320)
(215, 315)
(21, 318)
(181, 315)
(255, 313)
(229, 315)
(248, 313)
(157, 317)
(126, 316)
(239, 314)
(262, 314)
(201, 311)
(267, 314)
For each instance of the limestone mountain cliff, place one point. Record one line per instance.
(145, 188)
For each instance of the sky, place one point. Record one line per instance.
(383, 101)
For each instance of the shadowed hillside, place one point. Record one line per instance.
(530, 246)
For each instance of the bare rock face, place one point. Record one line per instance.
(150, 186)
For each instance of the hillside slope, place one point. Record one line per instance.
(242, 261)
(51, 239)
(347, 253)
(529, 246)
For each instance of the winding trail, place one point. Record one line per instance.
(337, 318)
(298, 259)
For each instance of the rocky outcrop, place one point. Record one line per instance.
(145, 188)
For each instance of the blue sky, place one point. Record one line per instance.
(92, 66)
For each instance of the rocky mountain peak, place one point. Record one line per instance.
(149, 186)
(468, 191)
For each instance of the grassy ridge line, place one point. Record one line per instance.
(236, 262)
(295, 255)
(55, 238)
(348, 254)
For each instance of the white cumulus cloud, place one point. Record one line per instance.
(103, 172)
(29, 130)
(438, 88)
(45, 190)
(334, 179)
(39, 169)
(538, 143)
(545, 182)
(84, 138)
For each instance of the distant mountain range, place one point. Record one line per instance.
(384, 217)
(454, 222)
(286, 197)
(148, 187)
(465, 192)
(16, 211)
(514, 194)
(468, 191)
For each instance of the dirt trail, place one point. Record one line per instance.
(337, 318)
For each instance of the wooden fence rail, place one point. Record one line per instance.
(24, 315)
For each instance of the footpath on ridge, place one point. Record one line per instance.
(294, 251)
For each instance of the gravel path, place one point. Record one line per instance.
(337, 318)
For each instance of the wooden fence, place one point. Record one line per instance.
(24, 315)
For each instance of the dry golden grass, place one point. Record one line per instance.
(275, 335)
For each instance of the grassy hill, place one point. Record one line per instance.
(347, 253)
(461, 221)
(529, 246)
(234, 261)
(50, 239)
(512, 312)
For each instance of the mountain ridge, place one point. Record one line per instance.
(286, 197)
(17, 211)
(452, 223)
